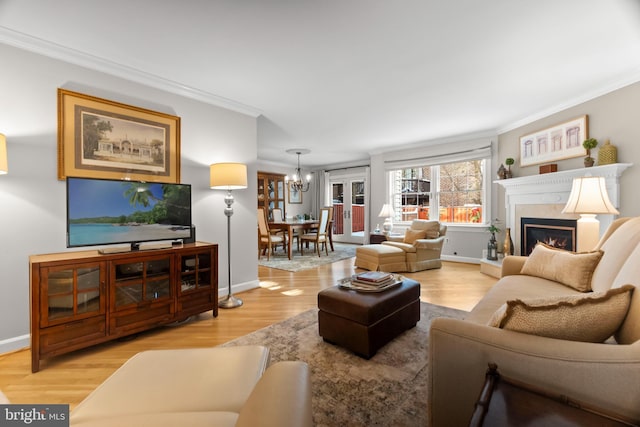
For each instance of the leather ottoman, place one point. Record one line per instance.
(364, 322)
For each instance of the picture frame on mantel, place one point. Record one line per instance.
(562, 141)
(99, 138)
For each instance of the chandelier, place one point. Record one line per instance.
(295, 182)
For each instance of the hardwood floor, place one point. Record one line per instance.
(71, 377)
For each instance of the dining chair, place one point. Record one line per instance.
(268, 241)
(318, 237)
(276, 214)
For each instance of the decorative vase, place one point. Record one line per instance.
(608, 154)
(508, 243)
(502, 172)
(492, 248)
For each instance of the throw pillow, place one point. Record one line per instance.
(410, 236)
(591, 317)
(571, 269)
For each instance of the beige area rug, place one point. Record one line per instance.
(310, 259)
(387, 390)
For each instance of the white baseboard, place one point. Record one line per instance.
(465, 259)
(15, 343)
(240, 287)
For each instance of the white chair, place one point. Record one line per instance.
(276, 214)
(321, 236)
(267, 241)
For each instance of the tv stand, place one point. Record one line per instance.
(79, 299)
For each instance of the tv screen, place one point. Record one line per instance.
(105, 212)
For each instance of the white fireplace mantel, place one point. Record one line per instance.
(554, 188)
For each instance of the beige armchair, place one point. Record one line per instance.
(422, 244)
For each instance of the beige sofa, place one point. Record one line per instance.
(218, 386)
(602, 375)
(422, 245)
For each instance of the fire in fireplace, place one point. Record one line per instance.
(559, 233)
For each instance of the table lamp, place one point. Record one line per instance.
(387, 213)
(228, 176)
(588, 198)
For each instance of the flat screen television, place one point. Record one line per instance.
(107, 212)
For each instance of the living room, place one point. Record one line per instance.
(34, 198)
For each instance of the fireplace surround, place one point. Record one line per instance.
(544, 196)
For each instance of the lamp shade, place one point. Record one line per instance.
(386, 211)
(4, 164)
(228, 176)
(589, 196)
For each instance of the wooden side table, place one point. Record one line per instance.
(376, 238)
(507, 402)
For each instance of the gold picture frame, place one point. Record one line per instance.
(295, 196)
(559, 142)
(98, 138)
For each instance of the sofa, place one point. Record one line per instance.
(553, 352)
(421, 243)
(217, 386)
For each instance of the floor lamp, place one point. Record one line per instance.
(228, 176)
(589, 197)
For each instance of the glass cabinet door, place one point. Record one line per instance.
(141, 281)
(72, 292)
(195, 272)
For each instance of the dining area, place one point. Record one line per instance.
(294, 235)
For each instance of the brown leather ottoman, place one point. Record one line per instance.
(364, 322)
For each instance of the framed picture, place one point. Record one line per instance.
(295, 196)
(98, 138)
(559, 142)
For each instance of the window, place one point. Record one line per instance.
(451, 192)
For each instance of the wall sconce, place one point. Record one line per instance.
(4, 164)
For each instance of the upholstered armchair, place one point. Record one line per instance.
(422, 244)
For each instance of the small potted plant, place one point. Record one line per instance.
(509, 161)
(589, 144)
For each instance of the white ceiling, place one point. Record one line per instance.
(346, 78)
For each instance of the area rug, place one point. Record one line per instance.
(390, 389)
(310, 259)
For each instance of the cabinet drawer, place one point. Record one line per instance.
(72, 335)
(139, 319)
(196, 303)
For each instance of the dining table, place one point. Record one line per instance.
(290, 224)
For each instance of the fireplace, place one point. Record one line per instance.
(559, 233)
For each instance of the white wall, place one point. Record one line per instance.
(33, 201)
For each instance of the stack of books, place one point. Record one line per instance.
(371, 281)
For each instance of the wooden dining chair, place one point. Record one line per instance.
(268, 241)
(318, 237)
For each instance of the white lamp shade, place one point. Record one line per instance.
(228, 176)
(4, 164)
(589, 196)
(386, 211)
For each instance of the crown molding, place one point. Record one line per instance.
(83, 59)
(624, 81)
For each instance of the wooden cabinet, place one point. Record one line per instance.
(271, 192)
(83, 298)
